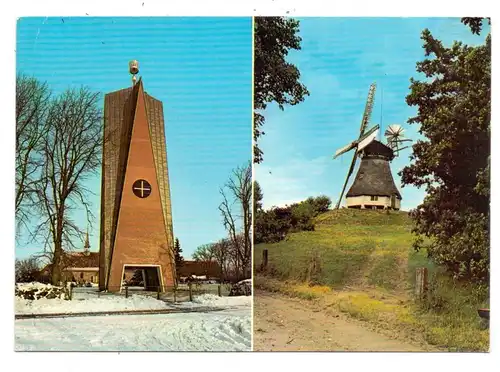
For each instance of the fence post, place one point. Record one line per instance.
(70, 293)
(126, 291)
(421, 282)
(190, 292)
(158, 292)
(219, 290)
(264, 259)
(175, 294)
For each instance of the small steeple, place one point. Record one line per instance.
(86, 246)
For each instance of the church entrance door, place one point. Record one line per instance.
(142, 277)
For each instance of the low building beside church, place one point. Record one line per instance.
(79, 267)
(208, 270)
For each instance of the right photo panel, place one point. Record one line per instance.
(372, 184)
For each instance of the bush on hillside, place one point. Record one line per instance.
(273, 225)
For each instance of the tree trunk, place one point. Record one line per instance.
(58, 251)
(56, 264)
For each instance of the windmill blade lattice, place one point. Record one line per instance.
(395, 136)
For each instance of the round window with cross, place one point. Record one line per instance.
(141, 188)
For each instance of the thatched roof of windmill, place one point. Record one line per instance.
(376, 148)
(374, 177)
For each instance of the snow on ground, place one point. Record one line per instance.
(228, 330)
(34, 285)
(108, 303)
(86, 300)
(215, 301)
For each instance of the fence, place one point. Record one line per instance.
(181, 293)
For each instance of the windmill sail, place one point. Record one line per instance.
(345, 149)
(368, 108)
(365, 142)
(362, 137)
(351, 169)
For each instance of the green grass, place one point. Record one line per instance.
(343, 242)
(362, 263)
(385, 272)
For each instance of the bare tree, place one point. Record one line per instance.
(71, 153)
(32, 100)
(236, 211)
(205, 254)
(222, 252)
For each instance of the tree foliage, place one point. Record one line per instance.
(275, 79)
(475, 24)
(273, 225)
(257, 197)
(179, 260)
(453, 161)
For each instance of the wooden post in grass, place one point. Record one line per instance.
(70, 292)
(190, 292)
(219, 290)
(126, 292)
(264, 260)
(421, 282)
(175, 294)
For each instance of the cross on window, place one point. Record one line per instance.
(141, 188)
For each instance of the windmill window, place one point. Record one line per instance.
(373, 198)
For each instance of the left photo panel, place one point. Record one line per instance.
(133, 192)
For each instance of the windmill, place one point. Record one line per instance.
(363, 140)
(395, 138)
(374, 185)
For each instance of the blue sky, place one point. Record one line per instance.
(339, 59)
(200, 68)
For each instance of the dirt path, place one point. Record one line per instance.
(288, 324)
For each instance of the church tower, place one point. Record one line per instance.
(136, 216)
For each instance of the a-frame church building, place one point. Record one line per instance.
(136, 216)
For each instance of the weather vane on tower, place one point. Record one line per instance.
(133, 69)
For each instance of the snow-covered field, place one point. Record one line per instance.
(226, 330)
(215, 331)
(86, 302)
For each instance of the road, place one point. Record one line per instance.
(288, 324)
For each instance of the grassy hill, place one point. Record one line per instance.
(361, 262)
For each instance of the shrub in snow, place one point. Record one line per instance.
(27, 270)
(243, 288)
(36, 291)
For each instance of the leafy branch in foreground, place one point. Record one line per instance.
(275, 79)
(453, 161)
